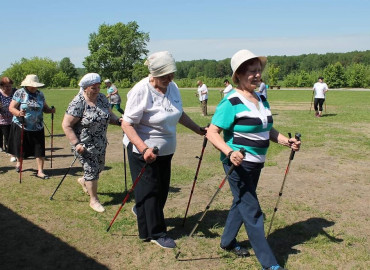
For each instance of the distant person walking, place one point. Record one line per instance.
(319, 88)
(203, 96)
(228, 87)
(263, 90)
(113, 96)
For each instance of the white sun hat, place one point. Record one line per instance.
(107, 81)
(32, 80)
(242, 56)
(89, 79)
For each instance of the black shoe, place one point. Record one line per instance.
(164, 242)
(238, 250)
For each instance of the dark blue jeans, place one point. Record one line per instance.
(246, 209)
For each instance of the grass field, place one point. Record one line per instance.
(322, 221)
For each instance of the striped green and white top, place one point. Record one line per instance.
(245, 125)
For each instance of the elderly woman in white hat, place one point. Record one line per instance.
(153, 109)
(245, 118)
(85, 125)
(27, 107)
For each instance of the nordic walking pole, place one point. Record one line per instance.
(23, 108)
(291, 157)
(155, 151)
(21, 152)
(312, 100)
(47, 128)
(195, 177)
(61, 181)
(124, 165)
(51, 138)
(214, 196)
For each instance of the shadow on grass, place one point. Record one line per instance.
(27, 246)
(329, 115)
(283, 240)
(7, 169)
(212, 219)
(117, 197)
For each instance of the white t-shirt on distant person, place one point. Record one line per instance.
(203, 92)
(319, 89)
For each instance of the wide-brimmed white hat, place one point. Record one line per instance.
(242, 56)
(32, 80)
(161, 63)
(107, 81)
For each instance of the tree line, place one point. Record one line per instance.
(118, 52)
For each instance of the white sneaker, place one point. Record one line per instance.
(13, 159)
(96, 206)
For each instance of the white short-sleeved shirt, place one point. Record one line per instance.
(154, 115)
(203, 89)
(319, 89)
(228, 89)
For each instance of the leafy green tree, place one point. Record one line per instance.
(44, 68)
(68, 68)
(356, 74)
(273, 74)
(60, 80)
(291, 80)
(334, 75)
(115, 49)
(304, 79)
(139, 72)
(73, 83)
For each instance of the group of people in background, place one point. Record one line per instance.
(152, 112)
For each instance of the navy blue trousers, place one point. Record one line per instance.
(246, 209)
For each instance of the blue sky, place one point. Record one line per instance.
(189, 29)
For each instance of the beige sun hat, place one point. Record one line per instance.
(32, 80)
(242, 56)
(107, 81)
(161, 63)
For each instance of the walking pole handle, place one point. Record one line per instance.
(52, 114)
(205, 138)
(155, 150)
(298, 138)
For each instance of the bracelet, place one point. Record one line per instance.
(143, 153)
(229, 154)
